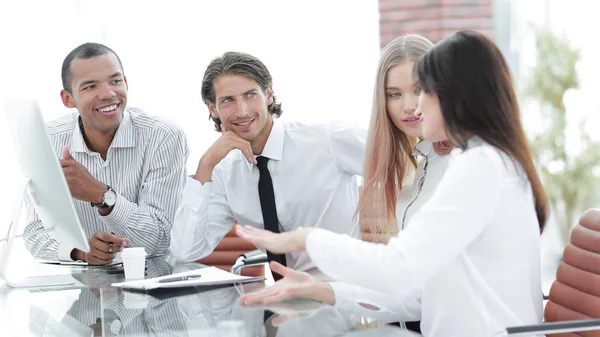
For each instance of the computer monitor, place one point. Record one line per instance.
(46, 185)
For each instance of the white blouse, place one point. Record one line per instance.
(430, 170)
(472, 252)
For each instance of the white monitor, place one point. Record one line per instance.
(46, 184)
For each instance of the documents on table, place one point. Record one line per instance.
(209, 276)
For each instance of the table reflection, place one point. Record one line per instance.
(94, 308)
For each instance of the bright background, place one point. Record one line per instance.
(322, 56)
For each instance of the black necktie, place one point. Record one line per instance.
(268, 207)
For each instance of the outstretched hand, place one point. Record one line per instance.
(287, 242)
(294, 284)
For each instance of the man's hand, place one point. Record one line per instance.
(102, 329)
(82, 185)
(228, 142)
(103, 247)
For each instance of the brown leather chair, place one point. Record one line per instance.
(575, 295)
(573, 307)
(227, 252)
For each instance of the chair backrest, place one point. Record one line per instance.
(227, 252)
(576, 292)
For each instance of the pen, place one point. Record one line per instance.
(179, 278)
(110, 244)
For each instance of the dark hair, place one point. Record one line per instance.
(84, 51)
(235, 63)
(473, 83)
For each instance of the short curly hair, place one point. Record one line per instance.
(236, 63)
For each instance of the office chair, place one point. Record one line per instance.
(573, 308)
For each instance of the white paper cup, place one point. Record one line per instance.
(134, 263)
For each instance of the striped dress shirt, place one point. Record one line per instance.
(145, 165)
(159, 317)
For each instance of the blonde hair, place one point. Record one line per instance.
(388, 153)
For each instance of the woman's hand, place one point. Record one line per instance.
(276, 243)
(293, 285)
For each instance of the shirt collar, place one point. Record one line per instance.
(274, 146)
(77, 142)
(124, 137)
(424, 148)
(474, 141)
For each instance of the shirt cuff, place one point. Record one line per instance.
(342, 294)
(317, 239)
(64, 252)
(120, 215)
(194, 193)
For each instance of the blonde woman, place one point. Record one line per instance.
(393, 151)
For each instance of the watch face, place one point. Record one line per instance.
(115, 326)
(110, 198)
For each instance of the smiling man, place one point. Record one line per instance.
(263, 172)
(125, 169)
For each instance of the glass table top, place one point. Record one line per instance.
(92, 307)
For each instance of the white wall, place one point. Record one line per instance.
(322, 56)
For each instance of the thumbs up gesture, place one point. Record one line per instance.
(82, 184)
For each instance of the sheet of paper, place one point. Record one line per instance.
(209, 276)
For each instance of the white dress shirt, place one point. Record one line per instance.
(472, 252)
(145, 165)
(312, 167)
(430, 171)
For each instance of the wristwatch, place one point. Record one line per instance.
(115, 326)
(108, 199)
(112, 320)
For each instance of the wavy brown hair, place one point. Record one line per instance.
(236, 63)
